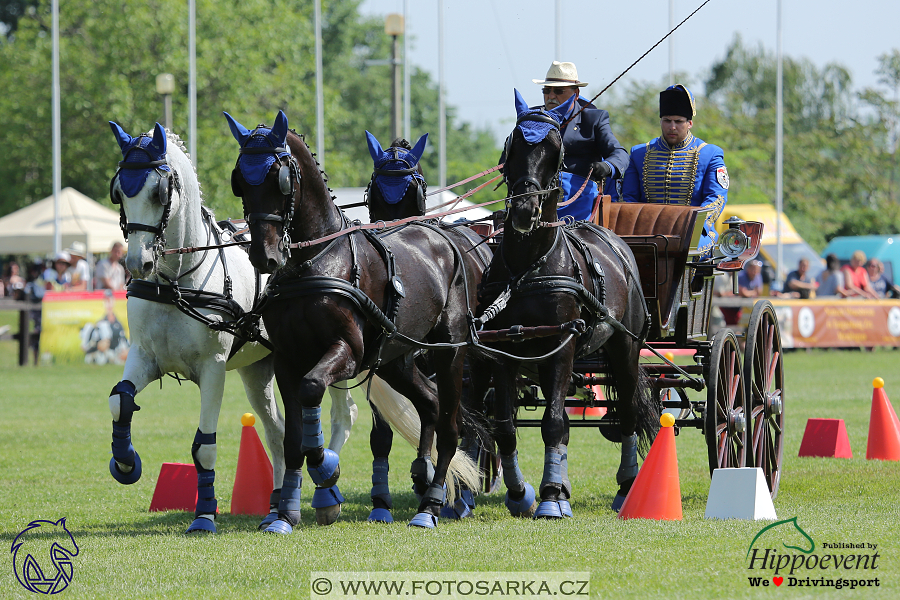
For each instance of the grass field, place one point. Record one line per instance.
(54, 450)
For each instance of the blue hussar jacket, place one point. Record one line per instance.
(693, 173)
(588, 138)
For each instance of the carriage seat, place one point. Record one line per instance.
(633, 218)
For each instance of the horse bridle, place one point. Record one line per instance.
(421, 185)
(287, 175)
(168, 181)
(540, 117)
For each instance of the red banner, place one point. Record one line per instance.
(838, 323)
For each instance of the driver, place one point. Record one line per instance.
(678, 168)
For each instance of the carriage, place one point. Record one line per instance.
(738, 381)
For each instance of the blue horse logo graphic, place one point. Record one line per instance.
(35, 542)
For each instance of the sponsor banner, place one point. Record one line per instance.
(838, 323)
(90, 327)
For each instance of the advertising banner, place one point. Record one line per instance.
(89, 327)
(838, 323)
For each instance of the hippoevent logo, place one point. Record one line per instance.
(42, 556)
(796, 563)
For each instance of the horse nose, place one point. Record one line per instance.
(272, 265)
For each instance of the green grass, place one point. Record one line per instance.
(54, 450)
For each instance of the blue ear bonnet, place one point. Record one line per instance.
(254, 167)
(393, 188)
(536, 131)
(141, 149)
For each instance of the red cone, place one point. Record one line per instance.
(253, 480)
(884, 427)
(656, 491)
(176, 488)
(827, 438)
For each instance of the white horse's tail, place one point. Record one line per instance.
(400, 413)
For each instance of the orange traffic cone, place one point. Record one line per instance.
(589, 411)
(176, 488)
(253, 480)
(884, 427)
(656, 492)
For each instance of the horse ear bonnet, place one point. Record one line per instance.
(255, 167)
(393, 187)
(142, 150)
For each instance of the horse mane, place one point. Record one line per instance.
(313, 161)
(173, 138)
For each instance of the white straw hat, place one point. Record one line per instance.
(78, 249)
(561, 74)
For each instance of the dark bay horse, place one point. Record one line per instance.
(554, 275)
(354, 302)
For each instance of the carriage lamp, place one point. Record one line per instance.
(733, 241)
(165, 86)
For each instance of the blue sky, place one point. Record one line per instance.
(491, 46)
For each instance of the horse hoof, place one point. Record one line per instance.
(548, 509)
(326, 474)
(202, 525)
(565, 508)
(380, 515)
(279, 526)
(461, 508)
(617, 502)
(126, 478)
(425, 520)
(524, 507)
(268, 520)
(328, 514)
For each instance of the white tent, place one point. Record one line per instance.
(30, 229)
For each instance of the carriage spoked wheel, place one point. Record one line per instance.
(764, 389)
(726, 410)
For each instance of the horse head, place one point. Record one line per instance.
(397, 189)
(533, 156)
(268, 180)
(148, 187)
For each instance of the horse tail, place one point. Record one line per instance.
(400, 413)
(647, 413)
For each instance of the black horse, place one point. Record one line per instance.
(554, 275)
(352, 302)
(397, 188)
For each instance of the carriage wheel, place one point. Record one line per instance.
(764, 389)
(726, 414)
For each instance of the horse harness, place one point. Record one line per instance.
(528, 283)
(244, 325)
(539, 117)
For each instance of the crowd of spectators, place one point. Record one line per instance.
(67, 271)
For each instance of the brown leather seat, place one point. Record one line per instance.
(632, 218)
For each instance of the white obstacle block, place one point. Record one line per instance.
(739, 494)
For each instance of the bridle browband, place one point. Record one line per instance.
(287, 175)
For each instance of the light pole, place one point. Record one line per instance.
(393, 26)
(165, 85)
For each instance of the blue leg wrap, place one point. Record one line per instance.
(327, 472)
(434, 496)
(274, 499)
(422, 472)
(125, 464)
(324, 497)
(523, 506)
(628, 470)
(564, 472)
(312, 429)
(289, 504)
(552, 470)
(512, 475)
(380, 487)
(462, 507)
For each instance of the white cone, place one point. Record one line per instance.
(739, 494)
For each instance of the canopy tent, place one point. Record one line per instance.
(30, 229)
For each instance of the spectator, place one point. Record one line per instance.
(750, 280)
(58, 278)
(856, 280)
(81, 271)
(110, 274)
(831, 280)
(881, 285)
(799, 283)
(13, 282)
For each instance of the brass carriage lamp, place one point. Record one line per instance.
(394, 26)
(165, 86)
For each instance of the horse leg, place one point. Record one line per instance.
(211, 381)
(408, 380)
(555, 488)
(343, 415)
(520, 496)
(380, 441)
(140, 369)
(259, 384)
(303, 438)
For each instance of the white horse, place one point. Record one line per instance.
(160, 201)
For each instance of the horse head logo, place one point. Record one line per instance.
(34, 544)
(805, 541)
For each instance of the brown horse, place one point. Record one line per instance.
(354, 302)
(553, 275)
